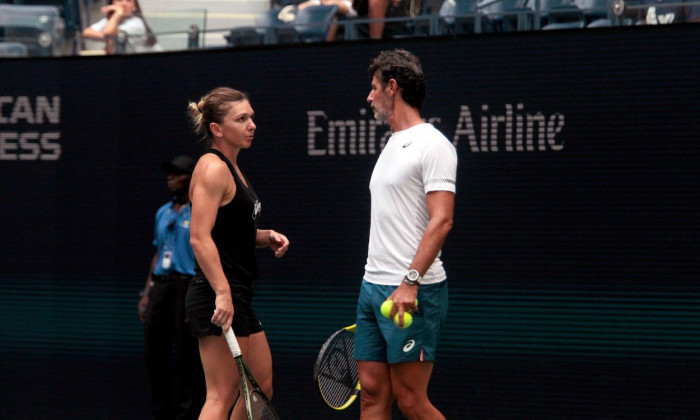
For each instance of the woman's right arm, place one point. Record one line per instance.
(115, 15)
(208, 188)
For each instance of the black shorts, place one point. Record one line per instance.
(200, 306)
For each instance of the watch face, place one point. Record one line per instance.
(413, 275)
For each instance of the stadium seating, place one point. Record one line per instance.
(558, 14)
(460, 17)
(44, 26)
(595, 12)
(312, 23)
(268, 30)
(39, 28)
(178, 28)
(268, 24)
(507, 15)
(13, 49)
(244, 36)
(69, 10)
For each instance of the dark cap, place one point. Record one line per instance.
(180, 165)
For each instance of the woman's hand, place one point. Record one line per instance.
(278, 243)
(113, 10)
(223, 314)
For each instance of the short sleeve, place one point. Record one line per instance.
(439, 166)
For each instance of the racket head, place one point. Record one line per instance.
(260, 406)
(336, 379)
(245, 389)
(257, 405)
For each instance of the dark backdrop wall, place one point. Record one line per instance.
(573, 263)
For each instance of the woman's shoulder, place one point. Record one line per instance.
(133, 25)
(210, 165)
(213, 177)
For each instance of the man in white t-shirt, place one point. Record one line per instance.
(413, 190)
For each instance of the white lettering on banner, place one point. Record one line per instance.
(30, 144)
(345, 137)
(512, 131)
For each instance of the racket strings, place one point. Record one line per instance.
(261, 407)
(338, 376)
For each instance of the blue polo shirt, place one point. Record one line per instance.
(172, 240)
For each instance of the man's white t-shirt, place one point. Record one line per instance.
(413, 163)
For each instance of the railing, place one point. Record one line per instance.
(187, 29)
(174, 30)
(179, 29)
(498, 16)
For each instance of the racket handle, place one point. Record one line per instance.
(232, 342)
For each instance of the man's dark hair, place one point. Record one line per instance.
(404, 67)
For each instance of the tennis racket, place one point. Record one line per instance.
(257, 405)
(335, 373)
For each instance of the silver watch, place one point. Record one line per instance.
(413, 278)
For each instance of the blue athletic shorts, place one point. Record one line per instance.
(378, 339)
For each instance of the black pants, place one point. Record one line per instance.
(176, 378)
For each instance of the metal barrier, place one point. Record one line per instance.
(174, 28)
(39, 28)
(187, 29)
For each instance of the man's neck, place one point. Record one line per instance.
(404, 117)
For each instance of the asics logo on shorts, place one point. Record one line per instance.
(409, 345)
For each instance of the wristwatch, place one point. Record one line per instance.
(413, 278)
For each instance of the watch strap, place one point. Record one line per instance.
(413, 277)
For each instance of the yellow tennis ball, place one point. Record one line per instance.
(407, 319)
(386, 308)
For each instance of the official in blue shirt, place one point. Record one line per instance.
(162, 305)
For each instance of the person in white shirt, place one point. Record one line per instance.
(123, 16)
(412, 204)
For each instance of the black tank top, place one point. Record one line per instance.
(234, 234)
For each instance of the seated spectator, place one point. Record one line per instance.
(381, 9)
(658, 13)
(123, 16)
(345, 9)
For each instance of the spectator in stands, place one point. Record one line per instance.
(162, 304)
(345, 9)
(381, 9)
(123, 16)
(658, 13)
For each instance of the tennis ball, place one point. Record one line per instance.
(386, 308)
(407, 320)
